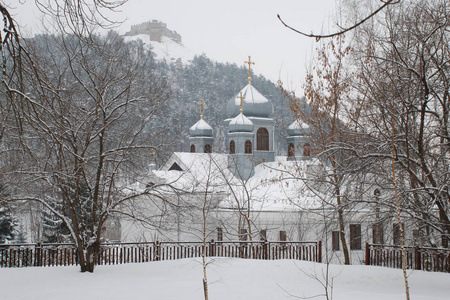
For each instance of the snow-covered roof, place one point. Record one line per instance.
(201, 128)
(297, 128)
(254, 104)
(199, 171)
(275, 186)
(240, 124)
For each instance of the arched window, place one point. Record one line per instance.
(248, 147)
(291, 150)
(232, 147)
(307, 150)
(262, 139)
(192, 148)
(208, 148)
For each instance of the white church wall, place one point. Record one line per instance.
(169, 217)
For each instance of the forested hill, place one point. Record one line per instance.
(216, 83)
(188, 82)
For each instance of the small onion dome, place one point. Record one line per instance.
(241, 124)
(254, 104)
(201, 128)
(298, 128)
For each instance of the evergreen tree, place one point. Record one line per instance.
(7, 222)
(53, 228)
(7, 225)
(20, 235)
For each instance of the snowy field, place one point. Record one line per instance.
(229, 279)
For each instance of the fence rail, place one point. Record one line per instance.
(425, 258)
(27, 255)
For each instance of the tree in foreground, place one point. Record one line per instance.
(321, 118)
(404, 84)
(400, 102)
(84, 116)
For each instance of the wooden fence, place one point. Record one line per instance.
(427, 259)
(27, 255)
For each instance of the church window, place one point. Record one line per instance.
(335, 240)
(307, 150)
(291, 150)
(377, 233)
(355, 236)
(282, 236)
(396, 233)
(219, 234)
(248, 147)
(175, 167)
(262, 139)
(208, 148)
(192, 148)
(232, 147)
(263, 235)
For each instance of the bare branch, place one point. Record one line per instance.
(343, 31)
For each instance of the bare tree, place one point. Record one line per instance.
(326, 91)
(403, 103)
(206, 208)
(77, 17)
(84, 112)
(404, 87)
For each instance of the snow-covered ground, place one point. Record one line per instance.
(228, 279)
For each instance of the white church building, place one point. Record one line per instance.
(248, 193)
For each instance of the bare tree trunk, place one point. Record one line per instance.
(88, 257)
(204, 263)
(342, 233)
(341, 220)
(397, 203)
(204, 215)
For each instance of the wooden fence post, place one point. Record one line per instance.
(212, 251)
(319, 258)
(265, 252)
(38, 254)
(157, 250)
(367, 254)
(10, 256)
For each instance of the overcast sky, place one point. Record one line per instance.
(233, 29)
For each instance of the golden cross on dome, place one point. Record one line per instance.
(249, 62)
(202, 104)
(153, 156)
(242, 98)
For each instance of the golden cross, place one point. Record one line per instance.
(202, 104)
(242, 98)
(249, 62)
(153, 156)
